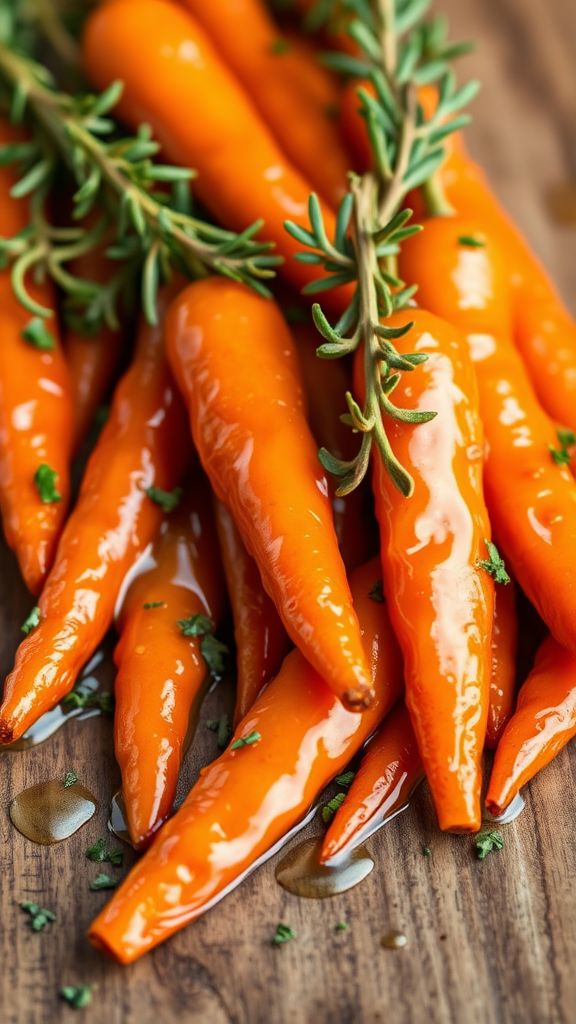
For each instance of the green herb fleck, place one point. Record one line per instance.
(562, 456)
(37, 335)
(377, 592)
(284, 933)
(45, 482)
(342, 926)
(487, 842)
(99, 852)
(102, 881)
(212, 649)
(39, 917)
(280, 46)
(154, 604)
(31, 622)
(79, 697)
(246, 741)
(167, 500)
(77, 996)
(329, 809)
(70, 779)
(494, 564)
(345, 779)
(426, 851)
(223, 727)
(472, 242)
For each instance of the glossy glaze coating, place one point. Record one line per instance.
(175, 80)
(249, 798)
(35, 410)
(261, 640)
(298, 94)
(389, 771)
(543, 723)
(161, 673)
(326, 382)
(439, 600)
(532, 500)
(503, 674)
(235, 362)
(144, 443)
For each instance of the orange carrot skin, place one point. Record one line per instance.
(439, 600)
(286, 83)
(543, 723)
(36, 411)
(169, 68)
(503, 675)
(532, 501)
(261, 640)
(389, 772)
(143, 444)
(162, 674)
(326, 382)
(249, 798)
(250, 430)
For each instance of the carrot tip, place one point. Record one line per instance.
(6, 732)
(357, 700)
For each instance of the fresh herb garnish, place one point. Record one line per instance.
(31, 621)
(345, 779)
(166, 500)
(77, 996)
(342, 926)
(488, 842)
(426, 851)
(70, 779)
(79, 697)
(284, 933)
(100, 852)
(562, 455)
(153, 604)
(39, 917)
(102, 881)
(329, 809)
(494, 564)
(37, 334)
(377, 592)
(246, 741)
(223, 728)
(472, 242)
(45, 482)
(212, 649)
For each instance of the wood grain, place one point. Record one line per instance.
(489, 942)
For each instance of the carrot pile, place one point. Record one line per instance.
(372, 574)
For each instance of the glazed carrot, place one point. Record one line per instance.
(286, 83)
(389, 772)
(543, 723)
(503, 675)
(169, 68)
(251, 433)
(144, 444)
(35, 410)
(300, 736)
(176, 590)
(326, 382)
(531, 499)
(440, 600)
(261, 640)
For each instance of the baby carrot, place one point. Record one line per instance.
(173, 602)
(287, 84)
(389, 772)
(36, 410)
(140, 456)
(249, 427)
(169, 68)
(543, 723)
(462, 275)
(261, 640)
(252, 796)
(503, 674)
(439, 598)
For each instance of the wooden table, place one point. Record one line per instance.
(488, 942)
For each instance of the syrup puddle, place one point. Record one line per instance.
(50, 812)
(301, 874)
(394, 940)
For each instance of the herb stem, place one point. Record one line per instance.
(435, 198)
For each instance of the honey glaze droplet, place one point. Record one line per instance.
(117, 819)
(300, 872)
(394, 940)
(50, 812)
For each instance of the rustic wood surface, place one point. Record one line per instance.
(488, 942)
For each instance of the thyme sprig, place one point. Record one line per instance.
(146, 202)
(397, 52)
